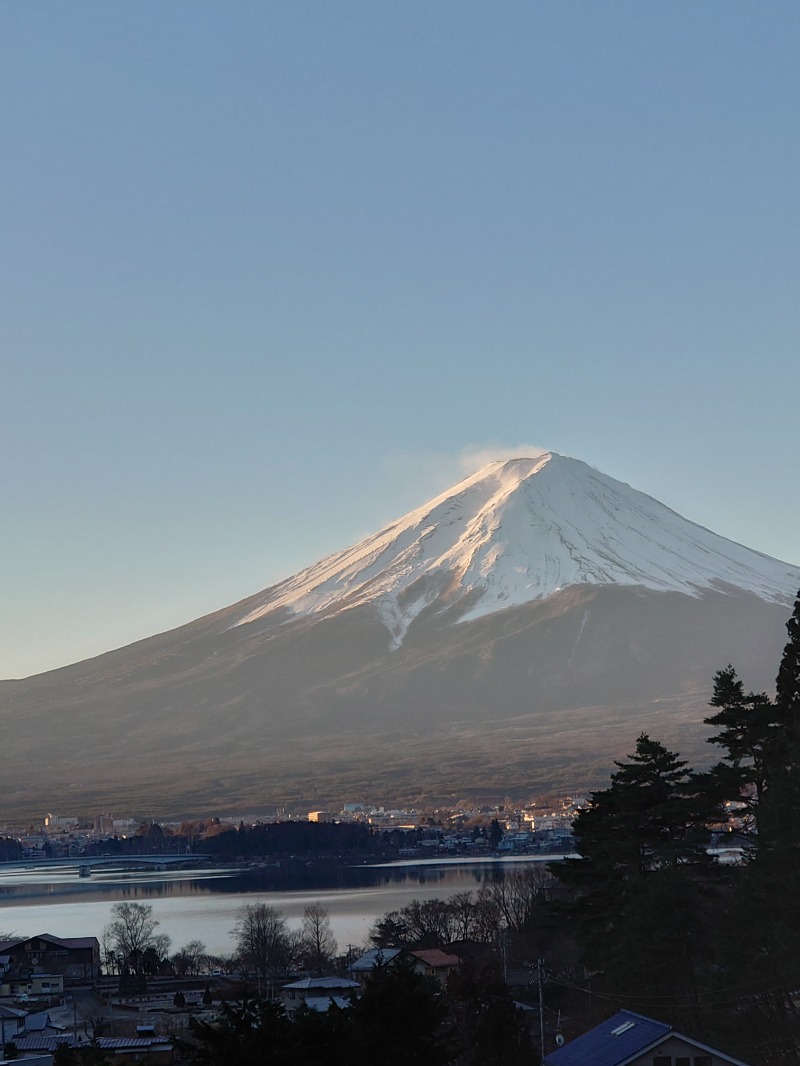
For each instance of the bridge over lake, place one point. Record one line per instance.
(83, 865)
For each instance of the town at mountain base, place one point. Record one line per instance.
(392, 670)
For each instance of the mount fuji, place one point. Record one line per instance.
(511, 636)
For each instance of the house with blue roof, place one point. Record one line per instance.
(629, 1039)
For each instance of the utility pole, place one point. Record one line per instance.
(540, 973)
(589, 983)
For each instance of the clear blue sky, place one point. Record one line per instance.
(271, 270)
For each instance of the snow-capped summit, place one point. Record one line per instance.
(517, 531)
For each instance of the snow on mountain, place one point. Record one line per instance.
(517, 531)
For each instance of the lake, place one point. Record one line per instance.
(201, 904)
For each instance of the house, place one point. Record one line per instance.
(41, 1024)
(152, 1051)
(433, 962)
(12, 1021)
(76, 959)
(318, 993)
(366, 963)
(629, 1039)
(22, 984)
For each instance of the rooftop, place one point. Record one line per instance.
(621, 1039)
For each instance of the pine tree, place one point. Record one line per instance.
(401, 1019)
(759, 930)
(643, 880)
(781, 800)
(788, 682)
(748, 732)
(779, 823)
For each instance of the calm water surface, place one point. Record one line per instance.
(202, 904)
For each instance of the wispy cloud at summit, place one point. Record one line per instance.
(473, 457)
(433, 472)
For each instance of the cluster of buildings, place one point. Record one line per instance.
(37, 975)
(555, 815)
(522, 830)
(459, 829)
(61, 837)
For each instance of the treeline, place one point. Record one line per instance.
(289, 838)
(10, 849)
(511, 913)
(262, 840)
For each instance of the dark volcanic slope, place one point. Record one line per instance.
(319, 709)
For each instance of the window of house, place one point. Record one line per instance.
(702, 1060)
(683, 1061)
(662, 1060)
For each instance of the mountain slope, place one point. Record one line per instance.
(516, 532)
(514, 634)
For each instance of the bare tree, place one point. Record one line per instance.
(317, 942)
(108, 951)
(132, 932)
(488, 922)
(190, 959)
(262, 938)
(518, 895)
(430, 922)
(462, 916)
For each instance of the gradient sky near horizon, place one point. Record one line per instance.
(275, 273)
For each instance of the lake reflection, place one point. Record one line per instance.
(202, 904)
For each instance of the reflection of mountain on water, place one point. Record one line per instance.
(287, 876)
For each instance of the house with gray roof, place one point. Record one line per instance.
(318, 993)
(366, 963)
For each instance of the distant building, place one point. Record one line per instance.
(103, 823)
(319, 816)
(54, 821)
